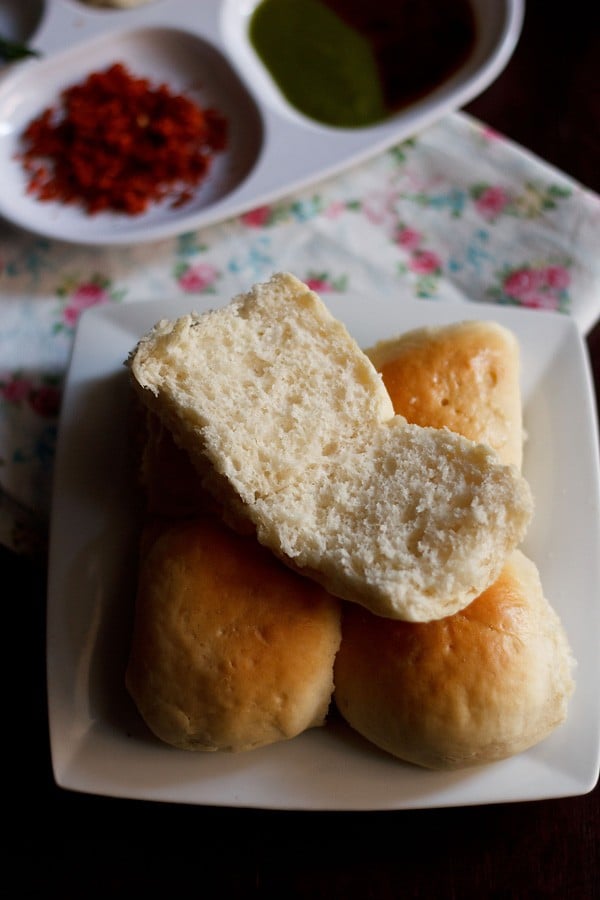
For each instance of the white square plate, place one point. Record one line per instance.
(99, 744)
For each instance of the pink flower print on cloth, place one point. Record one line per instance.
(257, 218)
(544, 287)
(323, 282)
(491, 201)
(78, 296)
(409, 238)
(198, 279)
(15, 388)
(84, 296)
(425, 262)
(41, 394)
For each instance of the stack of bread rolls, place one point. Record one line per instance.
(317, 532)
(494, 678)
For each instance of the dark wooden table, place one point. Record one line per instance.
(86, 847)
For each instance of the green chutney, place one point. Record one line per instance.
(321, 65)
(353, 63)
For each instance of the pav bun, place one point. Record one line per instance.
(230, 650)
(475, 687)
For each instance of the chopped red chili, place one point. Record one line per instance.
(116, 142)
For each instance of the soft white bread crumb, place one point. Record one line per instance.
(411, 522)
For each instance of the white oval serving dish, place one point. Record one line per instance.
(203, 49)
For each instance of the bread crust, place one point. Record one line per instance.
(463, 376)
(230, 649)
(475, 687)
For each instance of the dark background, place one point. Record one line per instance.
(86, 847)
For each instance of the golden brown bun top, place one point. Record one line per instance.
(463, 376)
(231, 650)
(475, 687)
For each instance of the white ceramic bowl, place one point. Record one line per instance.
(204, 50)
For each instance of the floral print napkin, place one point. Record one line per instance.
(458, 212)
